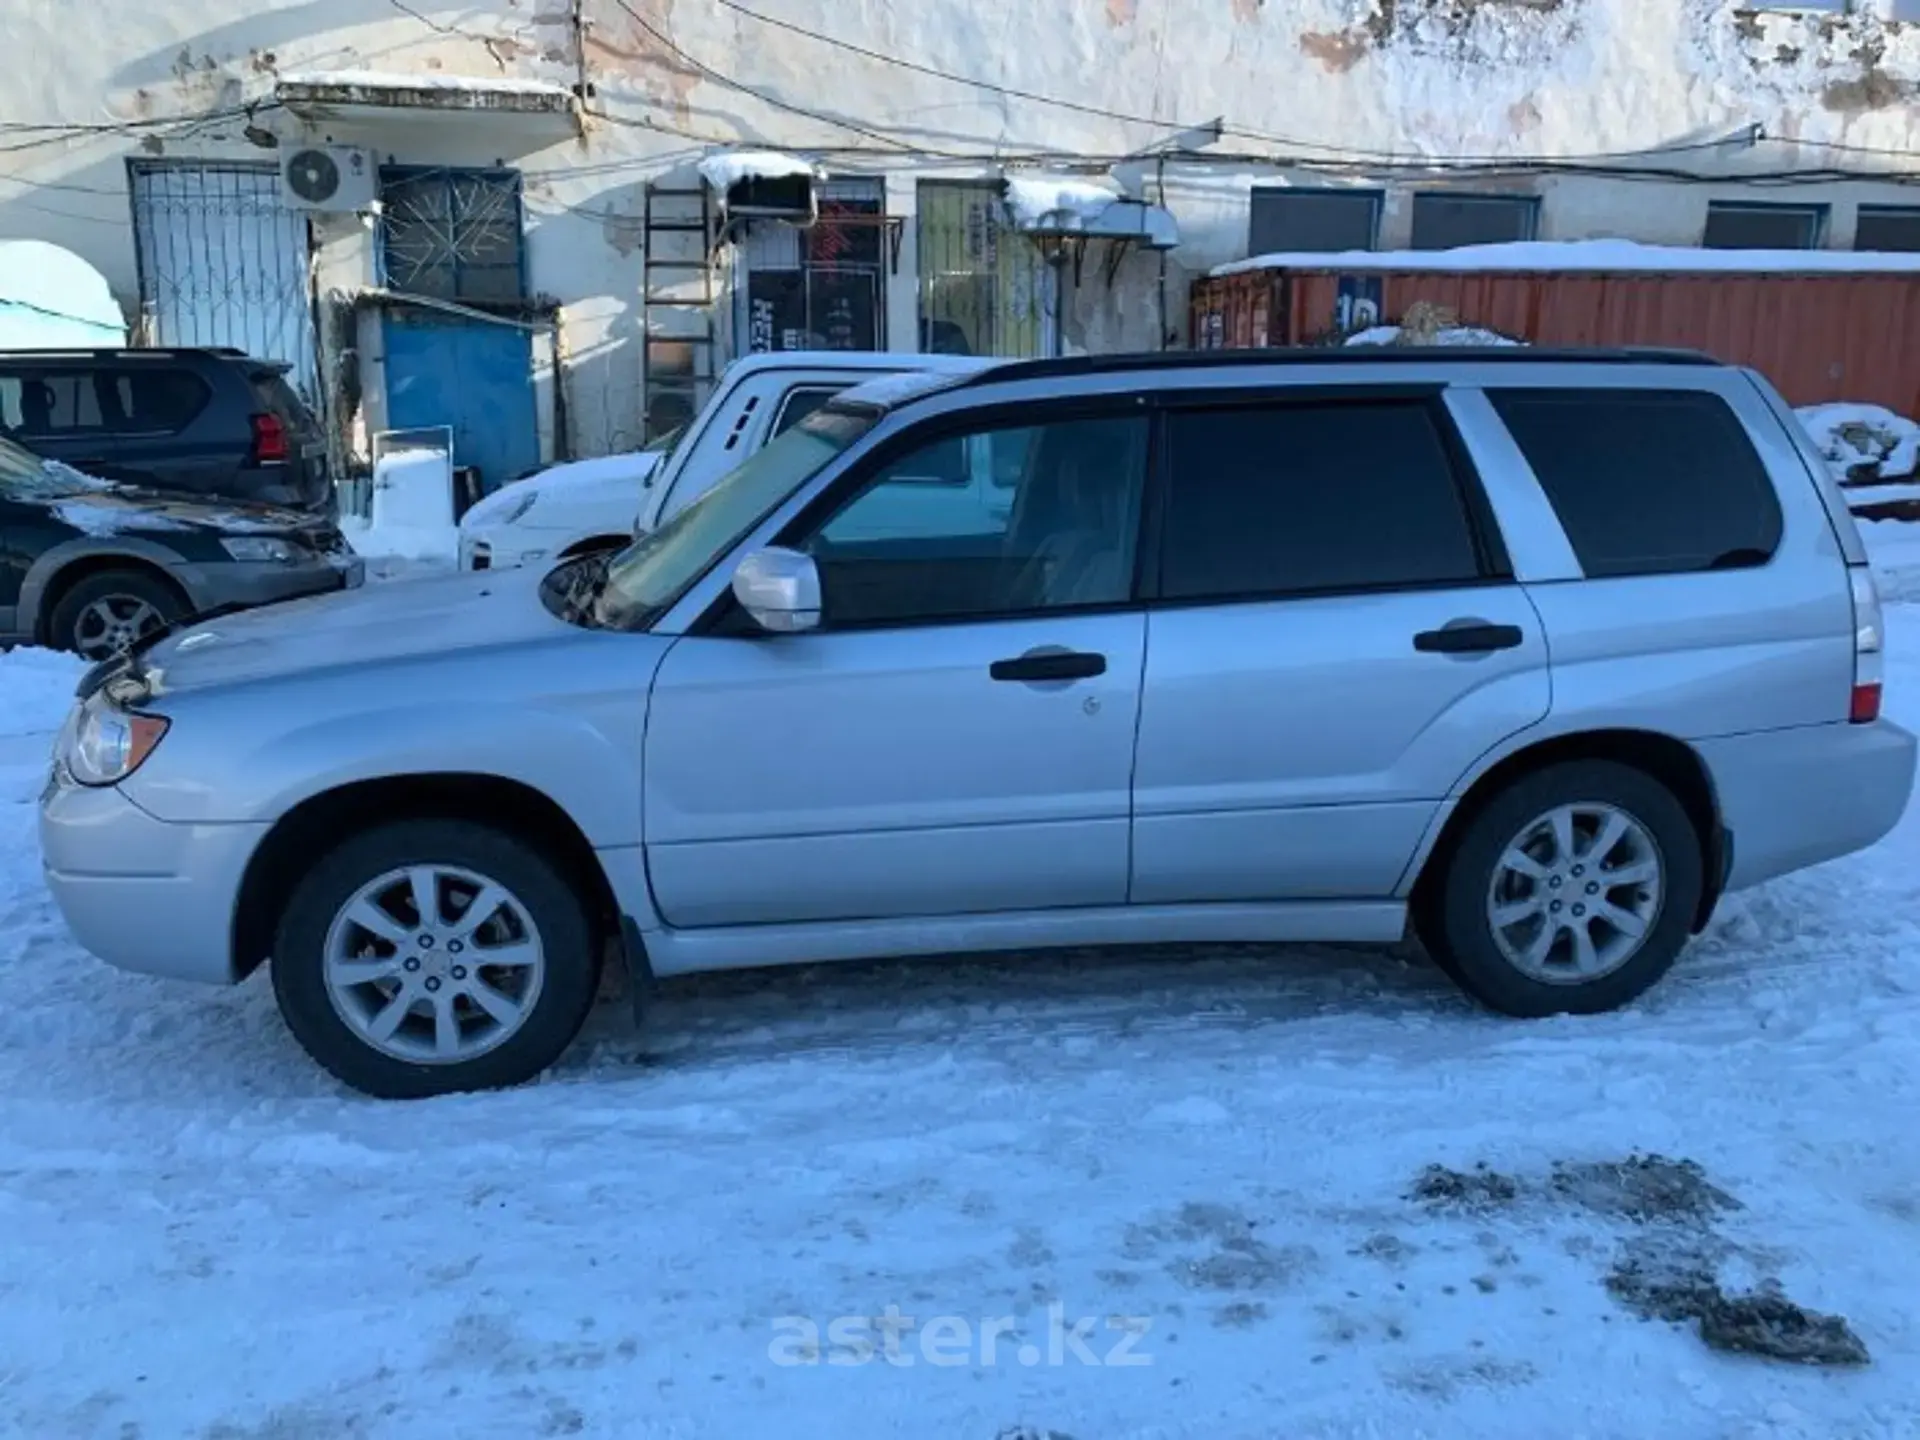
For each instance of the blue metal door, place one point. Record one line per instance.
(474, 375)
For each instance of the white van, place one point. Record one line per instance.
(592, 504)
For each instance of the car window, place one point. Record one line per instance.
(651, 574)
(801, 403)
(1647, 482)
(930, 537)
(1311, 497)
(48, 404)
(153, 401)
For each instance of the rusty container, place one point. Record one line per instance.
(1821, 336)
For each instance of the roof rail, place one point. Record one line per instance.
(1071, 365)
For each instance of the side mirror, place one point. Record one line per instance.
(780, 589)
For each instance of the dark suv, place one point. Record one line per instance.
(94, 567)
(204, 422)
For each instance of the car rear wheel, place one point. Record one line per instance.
(106, 614)
(429, 957)
(1572, 891)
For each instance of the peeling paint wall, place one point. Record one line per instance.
(1300, 81)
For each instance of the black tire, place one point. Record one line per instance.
(1458, 931)
(566, 934)
(110, 585)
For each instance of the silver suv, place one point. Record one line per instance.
(1537, 654)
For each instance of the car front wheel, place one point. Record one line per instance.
(1571, 891)
(429, 957)
(108, 613)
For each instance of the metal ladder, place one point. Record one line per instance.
(677, 304)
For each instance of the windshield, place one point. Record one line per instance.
(650, 575)
(25, 476)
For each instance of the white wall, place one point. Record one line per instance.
(1353, 80)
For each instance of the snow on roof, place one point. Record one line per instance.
(725, 169)
(1468, 335)
(1068, 205)
(891, 390)
(424, 80)
(1584, 255)
(832, 361)
(1044, 202)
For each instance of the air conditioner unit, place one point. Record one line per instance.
(329, 177)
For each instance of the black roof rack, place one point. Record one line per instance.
(138, 352)
(1071, 365)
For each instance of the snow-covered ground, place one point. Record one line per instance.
(1218, 1157)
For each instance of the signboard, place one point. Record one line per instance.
(1359, 303)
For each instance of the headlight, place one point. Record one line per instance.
(106, 745)
(261, 549)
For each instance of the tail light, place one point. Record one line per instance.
(269, 439)
(1869, 643)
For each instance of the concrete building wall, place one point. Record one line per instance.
(1392, 94)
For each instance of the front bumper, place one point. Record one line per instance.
(508, 547)
(139, 893)
(240, 585)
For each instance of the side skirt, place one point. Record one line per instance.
(685, 952)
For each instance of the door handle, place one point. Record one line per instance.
(1043, 665)
(1468, 637)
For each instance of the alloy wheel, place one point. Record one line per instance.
(1575, 893)
(434, 964)
(114, 624)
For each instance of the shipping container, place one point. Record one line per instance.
(1818, 337)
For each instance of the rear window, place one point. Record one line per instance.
(1647, 482)
(154, 401)
(1311, 498)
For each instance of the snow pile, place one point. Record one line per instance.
(1584, 256)
(413, 488)
(1057, 202)
(63, 474)
(412, 518)
(728, 168)
(1450, 335)
(429, 545)
(1863, 442)
(36, 691)
(106, 517)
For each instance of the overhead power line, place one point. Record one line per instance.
(775, 101)
(936, 73)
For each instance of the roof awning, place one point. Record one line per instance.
(368, 97)
(763, 184)
(1056, 208)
